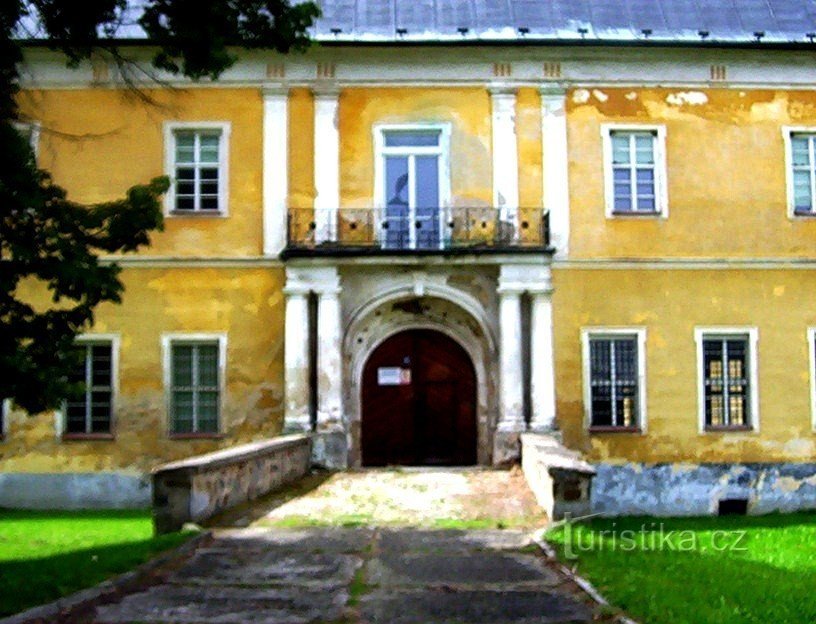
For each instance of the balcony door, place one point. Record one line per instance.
(413, 183)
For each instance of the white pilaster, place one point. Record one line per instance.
(542, 364)
(505, 153)
(326, 163)
(296, 356)
(329, 361)
(511, 380)
(275, 169)
(556, 167)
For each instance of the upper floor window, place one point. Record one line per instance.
(802, 173)
(728, 379)
(195, 381)
(614, 379)
(196, 156)
(412, 185)
(634, 163)
(91, 412)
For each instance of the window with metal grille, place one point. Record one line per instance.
(198, 171)
(634, 171)
(91, 410)
(726, 380)
(614, 378)
(803, 173)
(195, 391)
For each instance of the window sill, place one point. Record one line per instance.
(197, 436)
(607, 429)
(198, 214)
(729, 429)
(84, 437)
(804, 214)
(637, 215)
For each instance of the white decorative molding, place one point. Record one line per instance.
(326, 163)
(275, 169)
(505, 154)
(555, 162)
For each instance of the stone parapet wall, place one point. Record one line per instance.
(674, 489)
(560, 479)
(198, 488)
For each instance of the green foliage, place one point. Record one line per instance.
(46, 555)
(739, 570)
(46, 238)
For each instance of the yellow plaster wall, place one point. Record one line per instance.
(528, 136)
(466, 109)
(245, 303)
(99, 142)
(301, 149)
(670, 304)
(726, 173)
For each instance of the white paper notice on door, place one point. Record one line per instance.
(393, 376)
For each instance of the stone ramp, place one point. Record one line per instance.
(360, 576)
(419, 497)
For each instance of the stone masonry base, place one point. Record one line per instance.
(698, 489)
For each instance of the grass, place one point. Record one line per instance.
(46, 555)
(734, 570)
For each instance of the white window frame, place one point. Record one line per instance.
(811, 342)
(167, 341)
(639, 333)
(787, 136)
(33, 130)
(442, 151)
(714, 332)
(660, 170)
(83, 340)
(170, 128)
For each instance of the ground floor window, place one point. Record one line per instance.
(614, 379)
(728, 380)
(91, 410)
(195, 390)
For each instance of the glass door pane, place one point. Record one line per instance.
(396, 226)
(426, 219)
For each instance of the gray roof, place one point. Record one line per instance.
(593, 21)
(779, 21)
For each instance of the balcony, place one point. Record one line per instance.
(445, 231)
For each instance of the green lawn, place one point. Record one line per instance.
(45, 555)
(704, 572)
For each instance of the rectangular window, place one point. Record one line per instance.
(92, 410)
(411, 162)
(728, 378)
(614, 378)
(196, 158)
(195, 387)
(802, 173)
(635, 171)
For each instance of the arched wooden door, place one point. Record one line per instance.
(419, 402)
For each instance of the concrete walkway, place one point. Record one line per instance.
(372, 576)
(395, 566)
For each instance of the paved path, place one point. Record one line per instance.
(418, 497)
(397, 568)
(361, 575)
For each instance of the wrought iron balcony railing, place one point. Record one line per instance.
(446, 230)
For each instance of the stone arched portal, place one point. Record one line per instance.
(418, 401)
